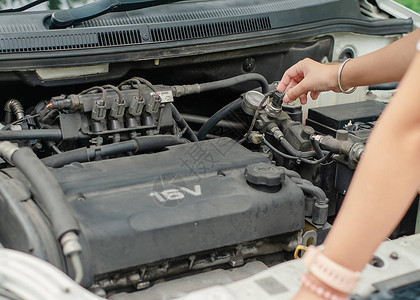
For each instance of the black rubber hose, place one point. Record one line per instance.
(65, 158)
(49, 134)
(13, 107)
(215, 85)
(219, 115)
(139, 144)
(48, 117)
(291, 173)
(47, 192)
(311, 189)
(183, 124)
(307, 186)
(284, 155)
(317, 148)
(223, 112)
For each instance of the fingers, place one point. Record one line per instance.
(284, 82)
(303, 99)
(315, 95)
(291, 74)
(300, 91)
(307, 76)
(294, 83)
(293, 80)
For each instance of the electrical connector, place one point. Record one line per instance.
(99, 110)
(117, 109)
(136, 107)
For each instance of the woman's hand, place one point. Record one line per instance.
(308, 76)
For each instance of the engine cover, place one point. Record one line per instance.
(192, 197)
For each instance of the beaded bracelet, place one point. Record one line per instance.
(330, 272)
(319, 290)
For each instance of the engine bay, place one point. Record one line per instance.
(147, 153)
(152, 198)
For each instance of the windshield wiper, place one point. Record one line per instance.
(23, 8)
(68, 17)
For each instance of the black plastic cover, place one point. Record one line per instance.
(190, 198)
(328, 119)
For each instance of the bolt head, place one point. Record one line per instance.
(249, 64)
(259, 124)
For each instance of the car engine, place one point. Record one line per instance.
(150, 147)
(144, 197)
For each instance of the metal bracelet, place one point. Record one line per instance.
(340, 69)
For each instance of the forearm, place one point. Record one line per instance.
(385, 181)
(384, 65)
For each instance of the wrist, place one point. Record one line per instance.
(332, 77)
(306, 294)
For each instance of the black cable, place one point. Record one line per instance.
(24, 119)
(146, 82)
(307, 161)
(96, 88)
(183, 124)
(254, 119)
(116, 90)
(130, 81)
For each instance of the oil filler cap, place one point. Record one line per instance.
(264, 174)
